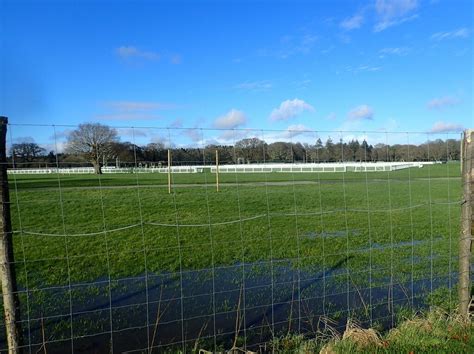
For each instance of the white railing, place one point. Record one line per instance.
(242, 168)
(319, 167)
(90, 170)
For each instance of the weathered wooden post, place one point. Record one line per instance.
(11, 304)
(169, 171)
(465, 239)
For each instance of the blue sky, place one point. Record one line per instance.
(381, 65)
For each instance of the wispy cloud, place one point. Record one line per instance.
(290, 46)
(331, 116)
(302, 84)
(59, 135)
(133, 132)
(127, 52)
(176, 59)
(363, 68)
(394, 51)
(353, 22)
(362, 112)
(443, 102)
(459, 33)
(328, 49)
(367, 68)
(194, 134)
(289, 109)
(56, 147)
(394, 12)
(304, 44)
(177, 123)
(254, 86)
(230, 120)
(443, 127)
(389, 125)
(294, 130)
(133, 110)
(231, 136)
(127, 116)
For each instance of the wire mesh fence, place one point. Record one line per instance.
(113, 262)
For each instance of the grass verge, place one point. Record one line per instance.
(435, 331)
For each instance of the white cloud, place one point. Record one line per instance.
(59, 134)
(442, 127)
(353, 22)
(393, 12)
(362, 112)
(459, 33)
(231, 136)
(194, 134)
(289, 109)
(59, 147)
(254, 86)
(127, 52)
(443, 102)
(295, 130)
(230, 120)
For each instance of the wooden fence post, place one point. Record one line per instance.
(465, 239)
(169, 171)
(11, 304)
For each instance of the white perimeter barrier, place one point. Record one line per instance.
(243, 168)
(320, 167)
(87, 170)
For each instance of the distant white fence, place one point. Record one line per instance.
(320, 167)
(90, 170)
(243, 168)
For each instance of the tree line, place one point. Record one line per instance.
(99, 145)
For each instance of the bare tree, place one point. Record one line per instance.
(251, 149)
(155, 152)
(26, 150)
(94, 142)
(280, 151)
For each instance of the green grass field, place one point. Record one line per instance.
(394, 223)
(356, 230)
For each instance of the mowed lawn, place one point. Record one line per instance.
(81, 228)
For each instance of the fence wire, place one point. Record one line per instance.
(114, 263)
